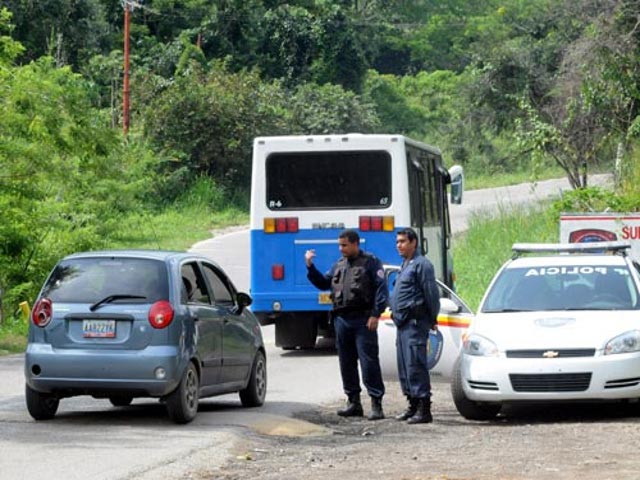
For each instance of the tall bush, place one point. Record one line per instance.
(64, 174)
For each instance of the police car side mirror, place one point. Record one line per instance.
(449, 306)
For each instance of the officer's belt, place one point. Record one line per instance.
(352, 311)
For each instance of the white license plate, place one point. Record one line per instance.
(324, 298)
(99, 328)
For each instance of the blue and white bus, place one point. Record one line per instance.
(306, 189)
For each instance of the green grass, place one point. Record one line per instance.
(13, 335)
(176, 228)
(475, 182)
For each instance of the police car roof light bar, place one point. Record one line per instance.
(588, 247)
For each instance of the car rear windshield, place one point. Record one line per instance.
(570, 287)
(90, 280)
(319, 180)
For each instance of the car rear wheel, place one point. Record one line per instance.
(256, 391)
(182, 404)
(121, 400)
(41, 406)
(468, 408)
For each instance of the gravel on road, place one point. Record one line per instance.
(595, 441)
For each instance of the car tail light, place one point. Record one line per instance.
(277, 271)
(161, 314)
(388, 223)
(42, 312)
(376, 224)
(281, 225)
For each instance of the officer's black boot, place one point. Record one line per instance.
(411, 410)
(423, 415)
(376, 409)
(353, 409)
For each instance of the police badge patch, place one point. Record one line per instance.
(434, 348)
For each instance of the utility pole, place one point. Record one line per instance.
(128, 5)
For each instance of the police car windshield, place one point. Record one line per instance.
(570, 287)
(328, 180)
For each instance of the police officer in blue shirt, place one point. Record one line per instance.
(415, 302)
(359, 294)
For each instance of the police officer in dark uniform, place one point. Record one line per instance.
(415, 302)
(359, 294)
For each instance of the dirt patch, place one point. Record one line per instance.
(565, 442)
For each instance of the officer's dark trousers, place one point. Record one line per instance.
(411, 348)
(356, 342)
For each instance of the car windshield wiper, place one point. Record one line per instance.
(111, 298)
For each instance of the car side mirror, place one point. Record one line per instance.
(243, 300)
(449, 306)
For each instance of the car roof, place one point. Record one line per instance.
(567, 259)
(163, 255)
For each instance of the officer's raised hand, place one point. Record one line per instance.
(309, 255)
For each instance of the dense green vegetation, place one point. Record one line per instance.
(510, 88)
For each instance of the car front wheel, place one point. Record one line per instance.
(468, 408)
(182, 404)
(256, 391)
(41, 406)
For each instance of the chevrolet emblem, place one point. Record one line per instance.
(550, 354)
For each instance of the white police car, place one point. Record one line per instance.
(562, 324)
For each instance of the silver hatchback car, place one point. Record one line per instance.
(126, 324)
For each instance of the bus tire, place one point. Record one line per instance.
(296, 331)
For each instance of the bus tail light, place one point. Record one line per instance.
(292, 224)
(281, 225)
(377, 224)
(365, 224)
(269, 225)
(277, 271)
(42, 313)
(160, 314)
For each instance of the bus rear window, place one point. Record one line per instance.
(317, 180)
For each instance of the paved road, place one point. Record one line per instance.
(91, 439)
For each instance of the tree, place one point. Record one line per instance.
(328, 109)
(288, 44)
(68, 30)
(205, 122)
(613, 83)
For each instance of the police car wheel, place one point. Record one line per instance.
(468, 408)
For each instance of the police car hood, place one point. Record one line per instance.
(554, 329)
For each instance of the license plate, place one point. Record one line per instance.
(99, 328)
(324, 298)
